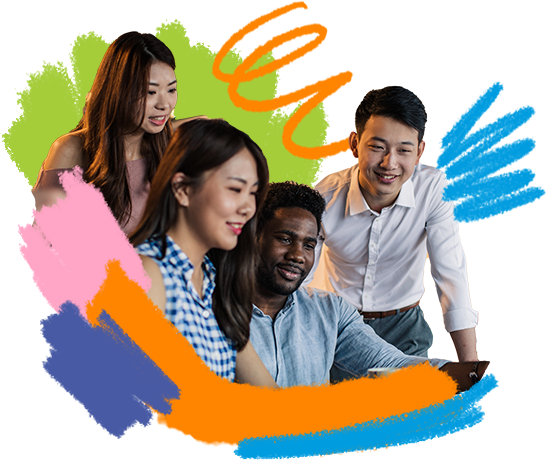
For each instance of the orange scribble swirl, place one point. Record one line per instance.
(311, 95)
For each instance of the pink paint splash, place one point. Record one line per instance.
(71, 242)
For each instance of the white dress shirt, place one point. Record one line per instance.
(376, 260)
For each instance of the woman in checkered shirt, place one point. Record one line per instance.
(197, 243)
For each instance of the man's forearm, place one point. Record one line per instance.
(465, 344)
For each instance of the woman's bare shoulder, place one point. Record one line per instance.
(151, 267)
(65, 152)
(156, 292)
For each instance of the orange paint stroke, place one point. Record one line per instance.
(320, 90)
(211, 409)
(243, 74)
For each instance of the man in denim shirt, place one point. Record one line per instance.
(300, 333)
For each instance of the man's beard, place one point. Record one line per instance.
(267, 279)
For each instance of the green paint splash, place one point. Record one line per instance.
(52, 105)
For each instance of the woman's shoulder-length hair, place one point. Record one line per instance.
(116, 108)
(196, 147)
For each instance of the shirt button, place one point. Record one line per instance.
(372, 245)
(369, 277)
(206, 313)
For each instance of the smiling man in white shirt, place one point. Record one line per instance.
(382, 217)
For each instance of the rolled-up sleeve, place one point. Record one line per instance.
(448, 263)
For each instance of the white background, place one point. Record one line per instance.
(517, 253)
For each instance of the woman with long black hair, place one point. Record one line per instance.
(125, 128)
(197, 243)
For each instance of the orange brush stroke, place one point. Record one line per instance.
(211, 409)
(321, 90)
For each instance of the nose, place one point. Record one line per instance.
(295, 253)
(389, 161)
(163, 102)
(248, 206)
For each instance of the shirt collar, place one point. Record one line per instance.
(287, 306)
(407, 196)
(356, 203)
(181, 261)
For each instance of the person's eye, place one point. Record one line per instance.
(376, 147)
(173, 90)
(235, 189)
(310, 246)
(283, 239)
(151, 93)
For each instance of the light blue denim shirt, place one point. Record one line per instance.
(315, 330)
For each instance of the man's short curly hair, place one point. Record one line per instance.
(290, 195)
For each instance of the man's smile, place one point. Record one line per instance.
(289, 272)
(386, 178)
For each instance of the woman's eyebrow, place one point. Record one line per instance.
(244, 181)
(240, 179)
(153, 83)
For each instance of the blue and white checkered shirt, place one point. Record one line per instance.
(192, 315)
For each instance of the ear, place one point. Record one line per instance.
(181, 189)
(420, 151)
(353, 144)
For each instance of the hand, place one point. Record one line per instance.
(465, 374)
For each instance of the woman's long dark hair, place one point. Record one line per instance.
(196, 147)
(116, 108)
